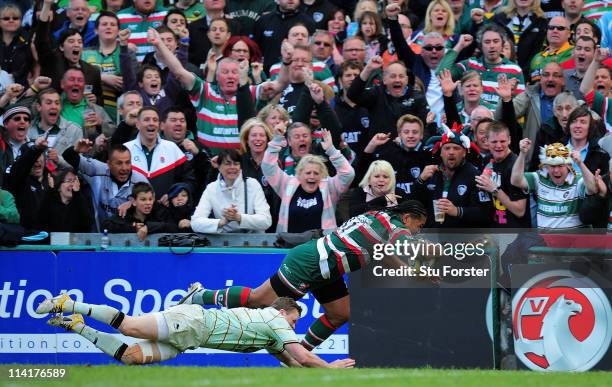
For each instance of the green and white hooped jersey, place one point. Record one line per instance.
(557, 205)
(351, 246)
(247, 330)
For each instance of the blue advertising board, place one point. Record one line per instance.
(136, 283)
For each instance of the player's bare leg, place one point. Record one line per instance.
(337, 312)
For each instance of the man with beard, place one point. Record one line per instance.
(453, 185)
(491, 64)
(160, 161)
(54, 64)
(559, 190)
(78, 14)
(583, 55)
(510, 202)
(559, 48)
(386, 103)
(61, 134)
(138, 19)
(111, 183)
(408, 157)
(536, 104)
(594, 84)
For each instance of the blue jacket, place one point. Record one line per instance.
(90, 39)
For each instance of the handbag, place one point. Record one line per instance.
(192, 240)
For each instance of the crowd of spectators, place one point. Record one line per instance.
(216, 116)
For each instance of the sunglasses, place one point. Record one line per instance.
(433, 48)
(558, 28)
(21, 118)
(7, 18)
(322, 44)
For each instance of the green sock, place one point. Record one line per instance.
(317, 333)
(232, 297)
(103, 313)
(106, 342)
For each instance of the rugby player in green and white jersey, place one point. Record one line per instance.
(318, 266)
(183, 327)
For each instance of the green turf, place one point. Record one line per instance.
(152, 376)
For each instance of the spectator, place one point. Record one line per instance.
(583, 139)
(174, 128)
(218, 34)
(55, 64)
(15, 55)
(371, 31)
(181, 206)
(145, 217)
(78, 14)
(490, 42)
(111, 182)
(453, 185)
(138, 19)
(160, 161)
(559, 48)
(27, 180)
(406, 28)
(324, 50)
(321, 11)
(248, 12)
(582, 55)
(438, 18)
(273, 114)
(573, 12)
(308, 199)
(190, 10)
(274, 27)
(536, 104)
(8, 209)
(106, 57)
(237, 203)
(376, 189)
(16, 120)
(596, 85)
(354, 119)
(209, 99)
(242, 49)
(510, 202)
(298, 37)
(77, 107)
(525, 23)
(387, 102)
(554, 130)
(200, 45)
(129, 104)
(559, 190)
(64, 207)
(587, 28)
(408, 156)
(471, 103)
(461, 14)
(354, 48)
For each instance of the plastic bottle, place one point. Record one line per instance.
(105, 240)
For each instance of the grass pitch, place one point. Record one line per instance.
(153, 376)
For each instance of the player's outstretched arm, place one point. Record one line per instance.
(306, 358)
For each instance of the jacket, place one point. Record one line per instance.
(16, 58)
(107, 194)
(69, 134)
(217, 196)
(54, 215)
(526, 105)
(285, 185)
(550, 132)
(8, 208)
(169, 165)
(157, 221)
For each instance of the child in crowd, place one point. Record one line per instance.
(144, 217)
(181, 206)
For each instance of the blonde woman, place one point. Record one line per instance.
(525, 24)
(15, 54)
(273, 114)
(308, 199)
(438, 18)
(376, 189)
